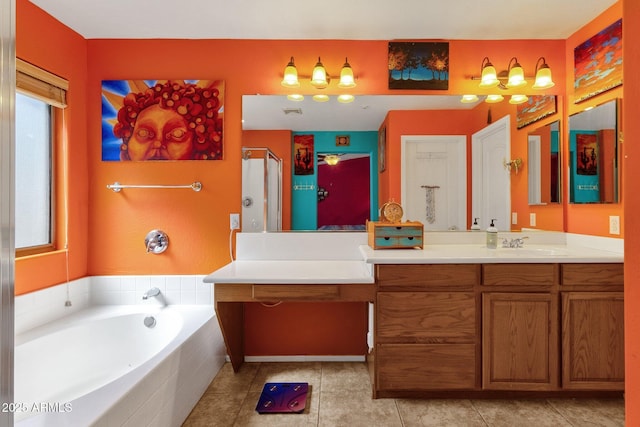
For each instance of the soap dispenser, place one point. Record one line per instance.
(492, 235)
(475, 226)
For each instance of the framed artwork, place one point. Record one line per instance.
(587, 154)
(598, 63)
(342, 140)
(303, 157)
(536, 108)
(419, 65)
(382, 148)
(151, 120)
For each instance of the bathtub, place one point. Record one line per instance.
(103, 366)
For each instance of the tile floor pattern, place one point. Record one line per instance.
(340, 395)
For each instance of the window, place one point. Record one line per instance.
(33, 196)
(40, 96)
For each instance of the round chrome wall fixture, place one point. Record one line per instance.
(156, 241)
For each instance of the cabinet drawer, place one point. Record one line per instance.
(425, 275)
(388, 231)
(397, 242)
(519, 274)
(427, 317)
(297, 292)
(425, 366)
(593, 274)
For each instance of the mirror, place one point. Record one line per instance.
(544, 167)
(593, 155)
(264, 114)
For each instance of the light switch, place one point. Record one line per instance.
(532, 219)
(514, 217)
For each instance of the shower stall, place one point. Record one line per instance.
(261, 190)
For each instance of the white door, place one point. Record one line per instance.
(434, 181)
(491, 184)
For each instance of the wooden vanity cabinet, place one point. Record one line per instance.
(520, 327)
(592, 326)
(426, 328)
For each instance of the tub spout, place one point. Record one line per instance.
(153, 292)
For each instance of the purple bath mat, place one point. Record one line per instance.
(283, 398)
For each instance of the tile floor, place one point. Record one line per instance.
(340, 395)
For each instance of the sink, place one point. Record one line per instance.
(534, 251)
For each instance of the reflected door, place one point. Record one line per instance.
(434, 181)
(343, 193)
(491, 184)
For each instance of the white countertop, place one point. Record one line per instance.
(292, 272)
(475, 253)
(342, 258)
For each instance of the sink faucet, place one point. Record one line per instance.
(514, 243)
(153, 292)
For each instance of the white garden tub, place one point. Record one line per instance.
(103, 366)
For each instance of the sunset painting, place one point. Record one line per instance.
(537, 107)
(598, 63)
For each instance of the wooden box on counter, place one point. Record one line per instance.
(395, 235)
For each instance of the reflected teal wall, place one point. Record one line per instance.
(304, 196)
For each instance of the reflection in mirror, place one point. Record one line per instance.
(544, 170)
(593, 152)
(343, 191)
(261, 190)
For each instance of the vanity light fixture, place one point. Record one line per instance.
(543, 75)
(492, 99)
(319, 76)
(290, 75)
(319, 79)
(332, 159)
(347, 80)
(345, 98)
(489, 77)
(518, 99)
(469, 99)
(514, 76)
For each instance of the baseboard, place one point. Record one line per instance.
(307, 358)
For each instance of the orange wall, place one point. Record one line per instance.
(631, 176)
(37, 37)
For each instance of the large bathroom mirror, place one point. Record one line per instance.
(593, 155)
(360, 120)
(544, 166)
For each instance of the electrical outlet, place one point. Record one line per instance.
(234, 221)
(514, 218)
(614, 224)
(532, 219)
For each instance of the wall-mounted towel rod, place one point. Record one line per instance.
(116, 186)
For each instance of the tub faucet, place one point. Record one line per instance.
(153, 292)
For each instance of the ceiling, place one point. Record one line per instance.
(334, 19)
(365, 113)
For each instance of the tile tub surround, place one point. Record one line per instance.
(36, 308)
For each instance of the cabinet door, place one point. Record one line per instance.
(519, 341)
(593, 340)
